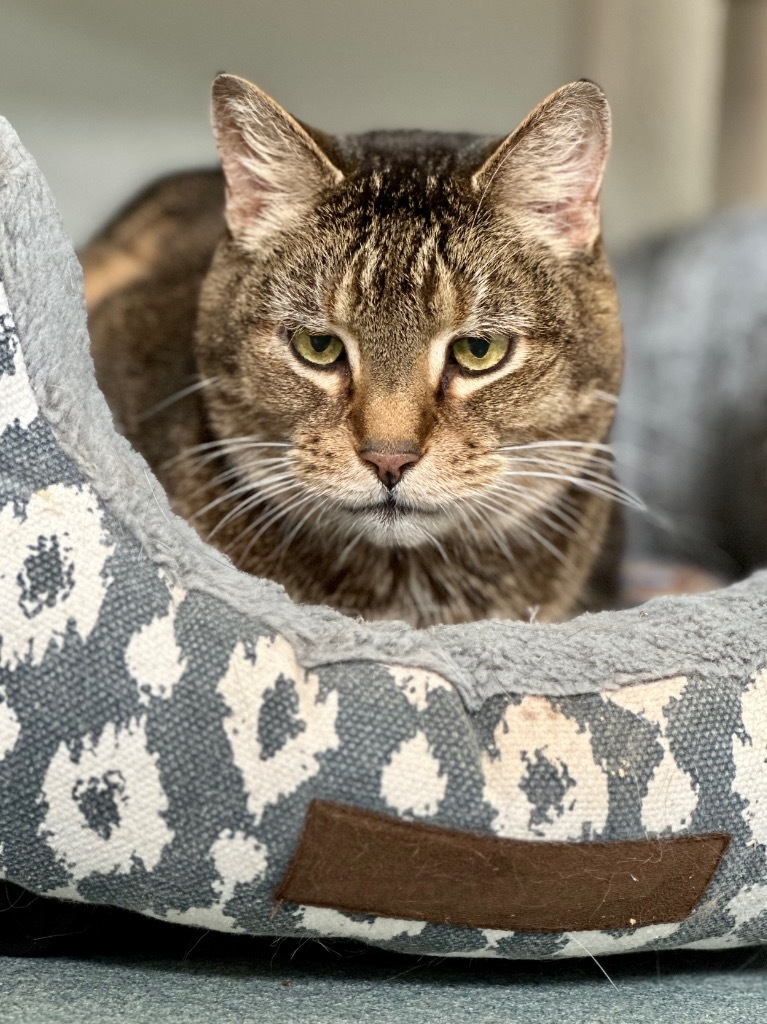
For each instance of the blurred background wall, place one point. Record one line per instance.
(109, 93)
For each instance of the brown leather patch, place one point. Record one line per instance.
(351, 859)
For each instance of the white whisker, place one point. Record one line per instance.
(566, 529)
(593, 445)
(324, 503)
(583, 471)
(256, 498)
(612, 493)
(280, 513)
(605, 396)
(241, 470)
(247, 487)
(247, 440)
(467, 510)
(201, 454)
(530, 530)
(339, 563)
(177, 396)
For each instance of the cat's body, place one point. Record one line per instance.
(377, 481)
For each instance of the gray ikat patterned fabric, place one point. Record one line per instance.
(159, 748)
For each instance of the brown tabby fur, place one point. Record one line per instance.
(398, 242)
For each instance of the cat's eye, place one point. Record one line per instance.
(479, 354)
(319, 349)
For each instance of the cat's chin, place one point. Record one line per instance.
(398, 526)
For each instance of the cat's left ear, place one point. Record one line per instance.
(548, 173)
(274, 169)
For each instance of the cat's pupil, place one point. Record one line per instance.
(320, 342)
(479, 347)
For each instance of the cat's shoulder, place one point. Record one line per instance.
(180, 194)
(174, 222)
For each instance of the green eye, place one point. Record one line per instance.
(478, 354)
(320, 349)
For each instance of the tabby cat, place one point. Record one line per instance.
(378, 368)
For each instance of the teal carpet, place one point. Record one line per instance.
(69, 964)
(319, 987)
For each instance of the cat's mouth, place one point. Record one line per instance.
(392, 508)
(394, 522)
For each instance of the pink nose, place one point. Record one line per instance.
(390, 466)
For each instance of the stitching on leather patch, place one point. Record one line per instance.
(352, 859)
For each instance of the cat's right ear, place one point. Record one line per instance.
(274, 169)
(547, 175)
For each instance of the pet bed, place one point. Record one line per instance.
(182, 740)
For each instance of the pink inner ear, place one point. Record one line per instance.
(575, 220)
(562, 193)
(272, 172)
(248, 193)
(551, 209)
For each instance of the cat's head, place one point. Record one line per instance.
(409, 335)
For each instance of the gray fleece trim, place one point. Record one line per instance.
(716, 636)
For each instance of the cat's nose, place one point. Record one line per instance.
(389, 466)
